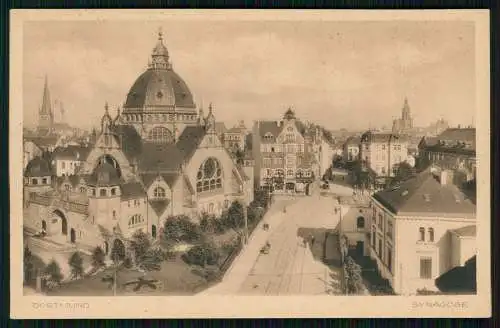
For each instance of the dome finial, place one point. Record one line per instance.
(160, 34)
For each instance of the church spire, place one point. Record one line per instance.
(46, 115)
(406, 110)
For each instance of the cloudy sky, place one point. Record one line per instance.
(341, 74)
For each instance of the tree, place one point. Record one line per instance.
(202, 255)
(98, 257)
(76, 264)
(27, 264)
(353, 279)
(139, 244)
(54, 275)
(236, 215)
(181, 229)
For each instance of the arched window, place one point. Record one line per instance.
(210, 208)
(113, 191)
(209, 176)
(159, 192)
(422, 234)
(161, 135)
(289, 173)
(114, 215)
(135, 219)
(67, 187)
(82, 190)
(102, 192)
(431, 234)
(360, 222)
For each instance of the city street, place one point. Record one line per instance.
(291, 267)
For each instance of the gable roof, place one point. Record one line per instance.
(379, 137)
(423, 195)
(132, 190)
(355, 140)
(274, 129)
(467, 231)
(220, 128)
(159, 205)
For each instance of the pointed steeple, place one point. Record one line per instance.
(46, 108)
(160, 58)
(406, 110)
(106, 120)
(210, 120)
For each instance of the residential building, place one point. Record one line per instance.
(67, 160)
(420, 230)
(454, 149)
(30, 151)
(284, 157)
(157, 158)
(383, 152)
(235, 137)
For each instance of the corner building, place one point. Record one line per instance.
(157, 158)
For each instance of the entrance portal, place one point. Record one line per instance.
(359, 248)
(64, 222)
(118, 251)
(73, 235)
(153, 231)
(44, 225)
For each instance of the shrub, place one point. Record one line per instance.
(140, 244)
(28, 264)
(76, 264)
(353, 278)
(202, 255)
(235, 215)
(181, 229)
(98, 257)
(54, 275)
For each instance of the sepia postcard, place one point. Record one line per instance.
(244, 163)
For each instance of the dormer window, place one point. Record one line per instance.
(159, 192)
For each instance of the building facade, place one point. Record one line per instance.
(234, 139)
(454, 149)
(156, 159)
(284, 158)
(67, 160)
(383, 152)
(421, 230)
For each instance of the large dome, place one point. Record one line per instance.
(159, 88)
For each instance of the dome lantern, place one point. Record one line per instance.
(160, 58)
(106, 120)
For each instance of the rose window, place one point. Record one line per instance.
(209, 176)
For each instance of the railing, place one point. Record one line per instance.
(67, 205)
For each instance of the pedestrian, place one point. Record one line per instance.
(312, 240)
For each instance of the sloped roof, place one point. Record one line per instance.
(38, 167)
(132, 190)
(159, 205)
(220, 128)
(159, 157)
(71, 152)
(356, 140)
(459, 134)
(104, 174)
(74, 180)
(44, 141)
(383, 137)
(190, 139)
(467, 231)
(272, 127)
(242, 173)
(423, 195)
(129, 139)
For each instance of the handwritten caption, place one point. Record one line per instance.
(440, 304)
(61, 305)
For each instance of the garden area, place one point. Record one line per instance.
(188, 257)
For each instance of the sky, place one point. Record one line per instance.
(340, 74)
